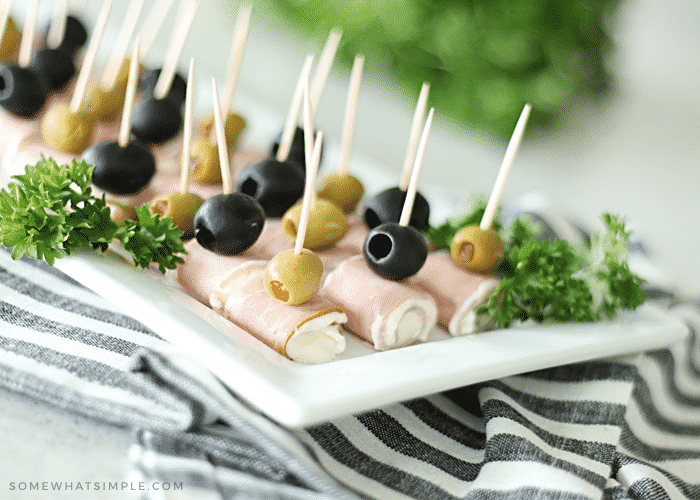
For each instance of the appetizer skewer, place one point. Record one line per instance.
(157, 118)
(182, 206)
(204, 148)
(69, 127)
(124, 166)
(228, 223)
(480, 248)
(397, 251)
(386, 205)
(344, 189)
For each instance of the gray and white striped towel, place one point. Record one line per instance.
(618, 428)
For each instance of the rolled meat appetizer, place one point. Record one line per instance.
(457, 292)
(308, 333)
(386, 313)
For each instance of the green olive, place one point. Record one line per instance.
(344, 190)
(181, 207)
(294, 278)
(233, 127)
(207, 168)
(477, 250)
(11, 39)
(326, 225)
(67, 131)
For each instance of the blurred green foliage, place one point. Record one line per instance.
(483, 58)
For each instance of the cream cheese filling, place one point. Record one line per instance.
(409, 322)
(465, 320)
(318, 340)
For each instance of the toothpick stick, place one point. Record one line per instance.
(291, 122)
(165, 80)
(239, 38)
(413, 184)
(308, 134)
(25, 47)
(57, 29)
(324, 67)
(181, 9)
(90, 54)
(309, 191)
(221, 137)
(413, 138)
(511, 150)
(125, 129)
(114, 63)
(187, 130)
(152, 24)
(350, 111)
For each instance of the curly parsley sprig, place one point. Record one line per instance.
(51, 211)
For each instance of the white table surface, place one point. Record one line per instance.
(637, 154)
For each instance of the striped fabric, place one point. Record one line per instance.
(620, 428)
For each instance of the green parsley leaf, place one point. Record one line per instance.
(51, 211)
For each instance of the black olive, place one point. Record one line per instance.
(121, 170)
(156, 120)
(276, 185)
(21, 91)
(54, 67)
(74, 37)
(387, 206)
(395, 252)
(177, 89)
(297, 152)
(228, 224)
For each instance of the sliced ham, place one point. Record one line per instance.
(308, 333)
(457, 292)
(385, 313)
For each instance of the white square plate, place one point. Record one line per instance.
(296, 395)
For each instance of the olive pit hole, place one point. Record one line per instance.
(205, 237)
(249, 187)
(379, 246)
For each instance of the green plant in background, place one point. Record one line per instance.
(483, 58)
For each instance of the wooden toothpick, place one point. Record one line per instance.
(350, 112)
(413, 184)
(25, 47)
(308, 134)
(413, 138)
(57, 29)
(125, 129)
(152, 24)
(239, 38)
(309, 192)
(187, 130)
(291, 122)
(512, 148)
(89, 61)
(116, 58)
(324, 67)
(221, 138)
(165, 80)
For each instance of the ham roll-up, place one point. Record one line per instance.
(309, 332)
(385, 313)
(457, 292)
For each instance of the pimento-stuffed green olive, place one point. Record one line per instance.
(477, 250)
(180, 207)
(344, 190)
(326, 225)
(294, 278)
